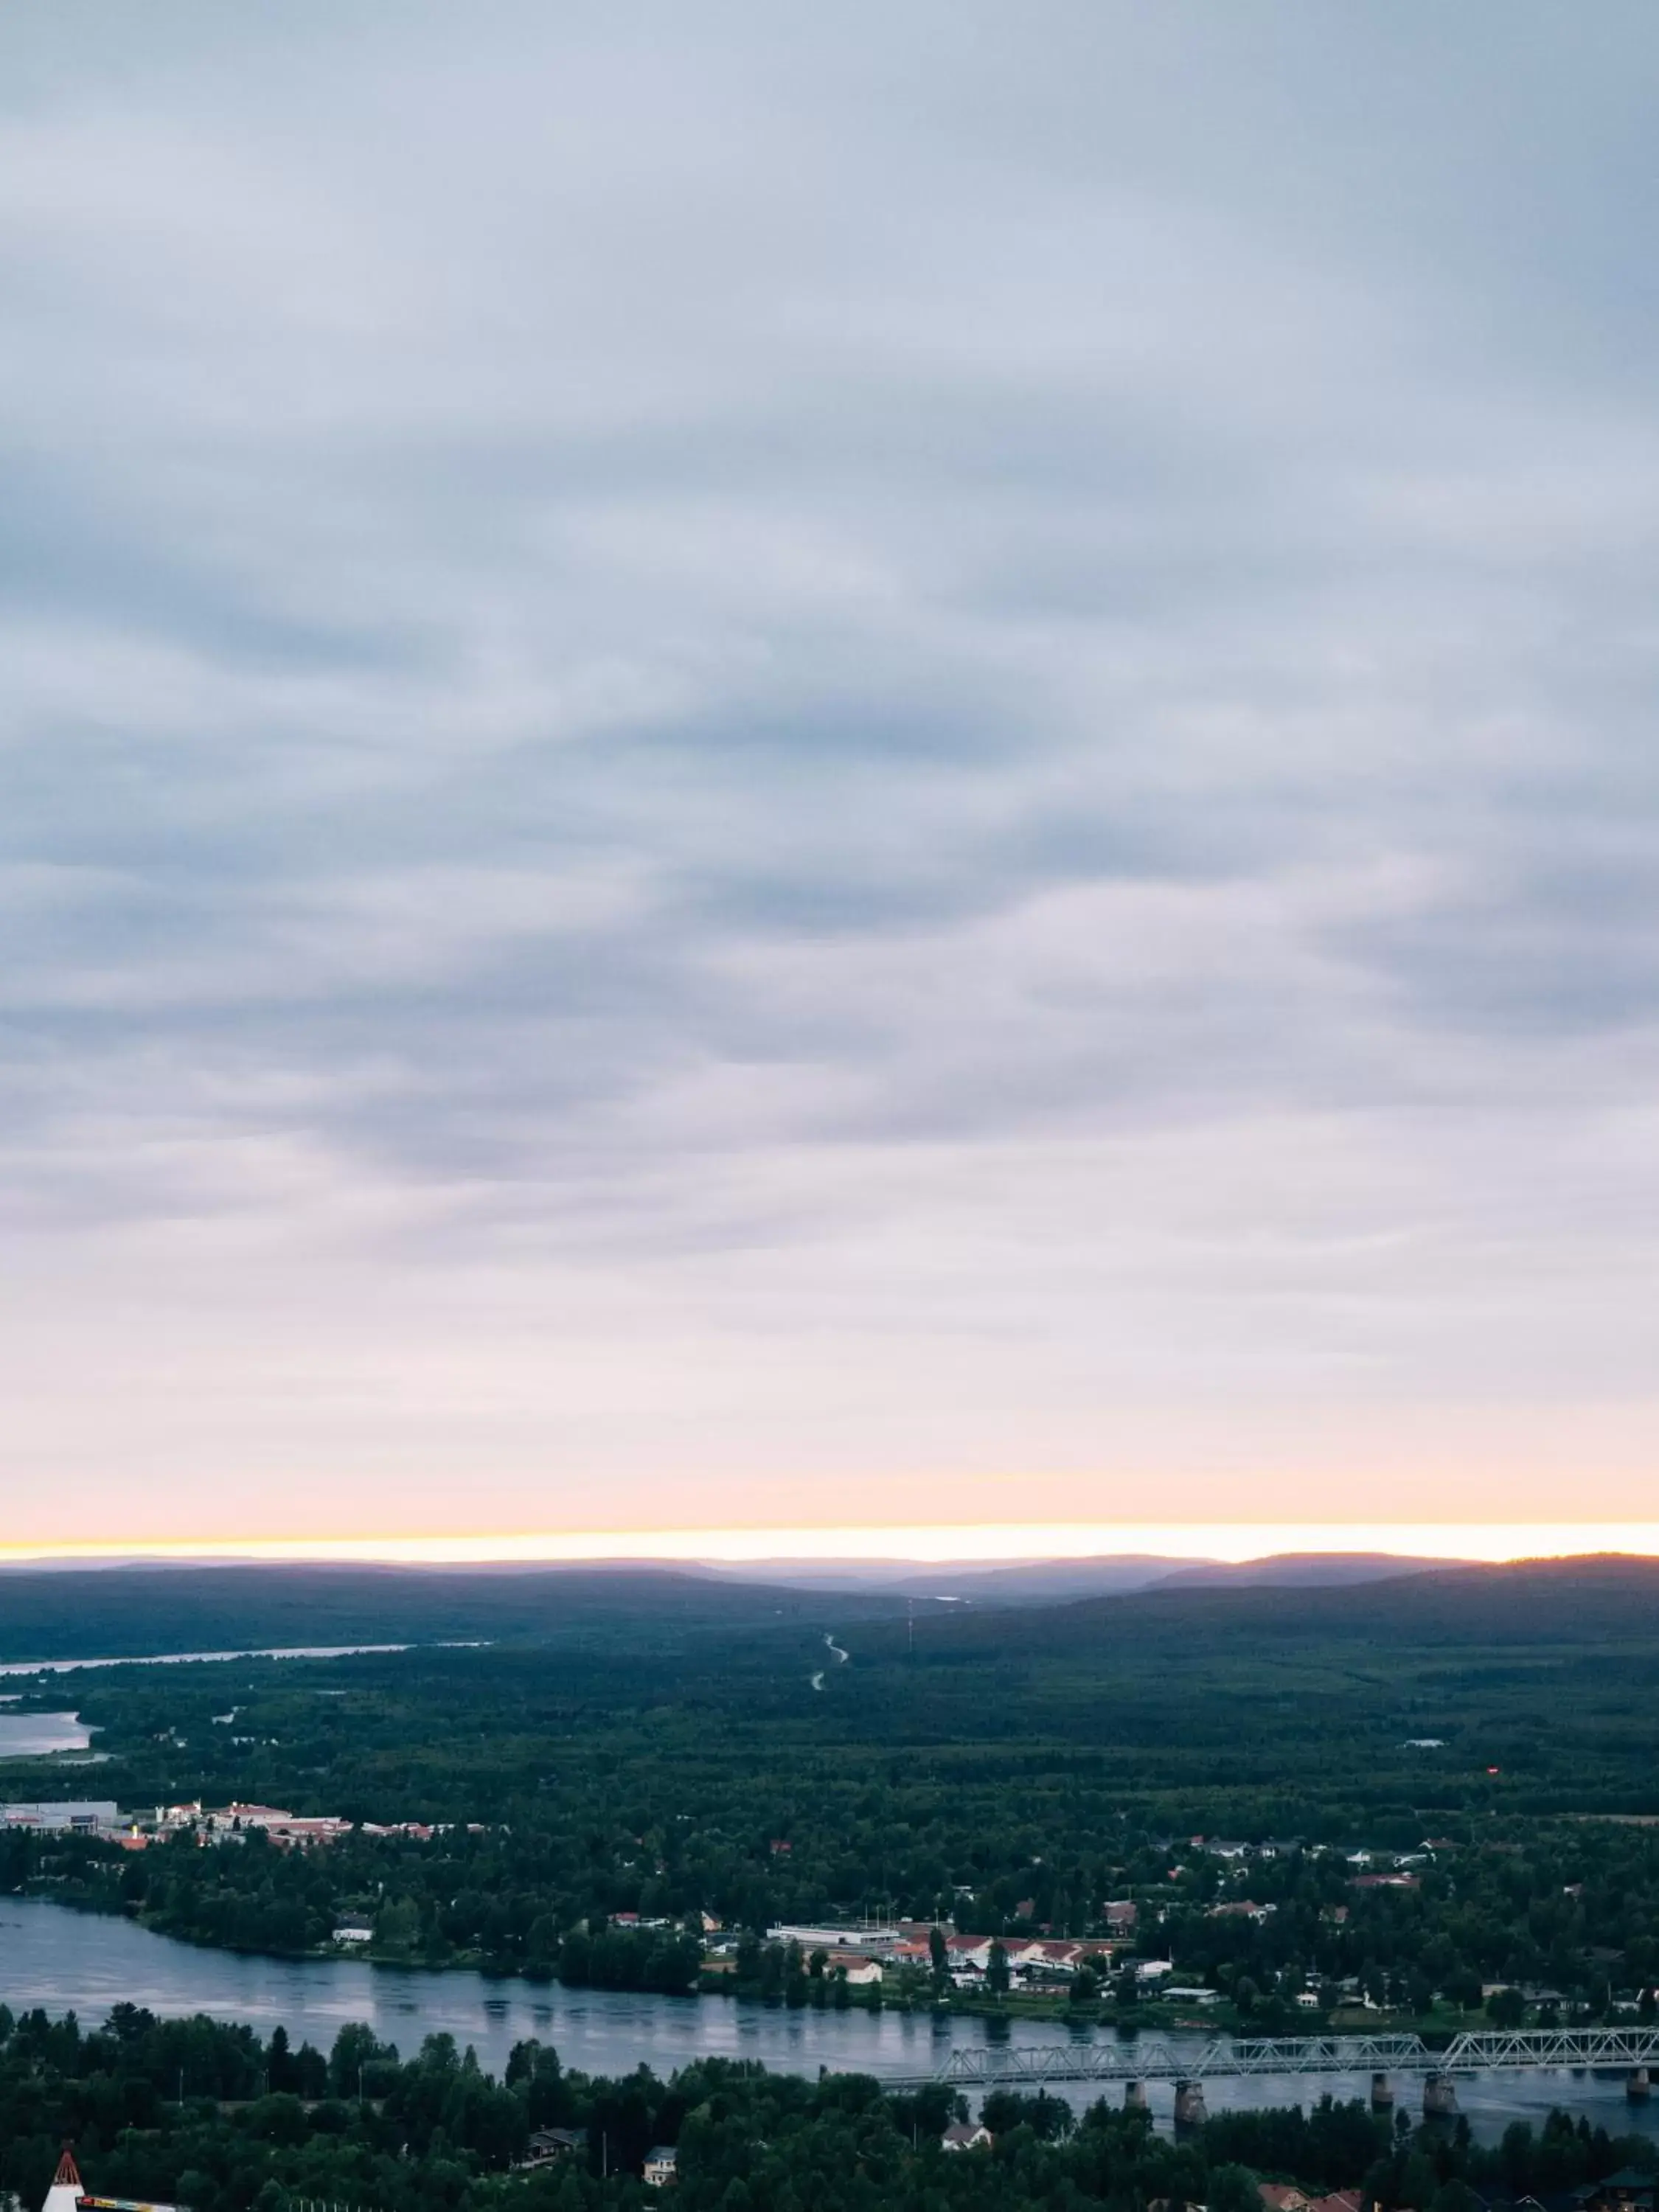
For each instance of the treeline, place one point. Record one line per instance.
(196, 2112)
(249, 1895)
(1567, 1908)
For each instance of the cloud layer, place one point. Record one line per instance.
(830, 768)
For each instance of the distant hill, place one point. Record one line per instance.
(1581, 1600)
(65, 1613)
(1052, 1582)
(1015, 1582)
(1034, 1607)
(1301, 1570)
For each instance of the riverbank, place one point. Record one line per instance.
(808, 1993)
(222, 2115)
(72, 1962)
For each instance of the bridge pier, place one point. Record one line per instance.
(1439, 2096)
(1189, 2108)
(1134, 2096)
(1638, 2086)
(1382, 2093)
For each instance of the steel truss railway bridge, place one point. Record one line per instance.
(1630, 2050)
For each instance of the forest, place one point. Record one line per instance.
(1379, 1801)
(207, 2115)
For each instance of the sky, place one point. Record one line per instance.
(777, 768)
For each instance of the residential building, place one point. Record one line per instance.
(547, 2144)
(1630, 2190)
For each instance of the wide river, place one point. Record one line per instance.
(75, 1962)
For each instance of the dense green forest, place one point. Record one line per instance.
(1007, 1771)
(120, 1612)
(208, 2115)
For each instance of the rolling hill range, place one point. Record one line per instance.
(140, 1612)
(1591, 1600)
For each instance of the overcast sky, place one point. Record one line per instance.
(777, 764)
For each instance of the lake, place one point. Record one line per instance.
(80, 1963)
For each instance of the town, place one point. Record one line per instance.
(1205, 1938)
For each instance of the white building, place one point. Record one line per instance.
(66, 2193)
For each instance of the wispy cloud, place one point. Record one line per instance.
(908, 755)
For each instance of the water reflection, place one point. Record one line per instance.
(84, 1964)
(34, 1736)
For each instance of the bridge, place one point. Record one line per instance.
(1630, 2050)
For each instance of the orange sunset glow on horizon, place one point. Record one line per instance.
(987, 1544)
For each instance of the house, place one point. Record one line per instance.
(354, 1931)
(966, 2135)
(1281, 2196)
(660, 2168)
(1385, 1881)
(1045, 1961)
(1242, 1908)
(1628, 2191)
(856, 1968)
(1119, 1914)
(967, 1956)
(547, 2144)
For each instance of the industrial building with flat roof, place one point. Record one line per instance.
(86, 1816)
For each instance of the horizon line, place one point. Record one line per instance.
(986, 1543)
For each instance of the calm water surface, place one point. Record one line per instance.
(31, 1735)
(204, 1658)
(74, 1962)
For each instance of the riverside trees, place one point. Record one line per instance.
(189, 2111)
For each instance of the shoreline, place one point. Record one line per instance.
(1012, 2009)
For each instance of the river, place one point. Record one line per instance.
(85, 1964)
(32, 1667)
(37, 1735)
